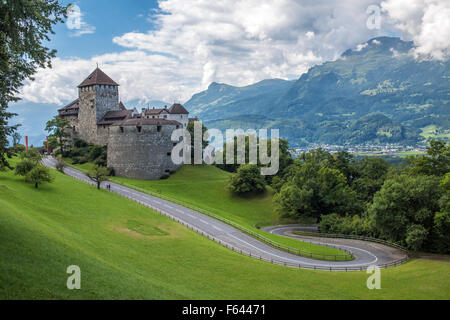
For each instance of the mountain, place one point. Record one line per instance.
(376, 93)
(222, 99)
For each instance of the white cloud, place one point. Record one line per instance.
(360, 47)
(310, 34)
(426, 22)
(238, 42)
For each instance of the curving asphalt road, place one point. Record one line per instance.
(366, 253)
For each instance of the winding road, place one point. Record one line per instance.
(365, 253)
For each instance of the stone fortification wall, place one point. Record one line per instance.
(141, 152)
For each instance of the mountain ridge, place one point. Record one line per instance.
(378, 77)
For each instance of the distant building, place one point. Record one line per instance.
(139, 143)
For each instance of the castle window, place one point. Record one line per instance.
(158, 128)
(139, 128)
(169, 153)
(121, 129)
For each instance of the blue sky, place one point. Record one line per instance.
(172, 49)
(110, 18)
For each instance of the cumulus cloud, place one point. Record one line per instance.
(426, 22)
(238, 42)
(362, 46)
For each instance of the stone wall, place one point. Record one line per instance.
(102, 135)
(87, 125)
(144, 155)
(95, 102)
(107, 99)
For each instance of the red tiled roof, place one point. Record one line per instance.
(154, 111)
(98, 77)
(72, 105)
(70, 110)
(113, 116)
(178, 109)
(144, 121)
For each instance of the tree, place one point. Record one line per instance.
(98, 174)
(60, 165)
(435, 162)
(344, 162)
(190, 128)
(32, 154)
(370, 175)
(404, 202)
(38, 175)
(312, 190)
(57, 128)
(416, 235)
(24, 167)
(24, 26)
(285, 158)
(52, 143)
(247, 179)
(441, 236)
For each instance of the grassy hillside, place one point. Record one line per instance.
(127, 251)
(205, 187)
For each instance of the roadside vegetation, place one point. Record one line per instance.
(406, 204)
(31, 169)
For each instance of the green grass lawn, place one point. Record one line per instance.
(127, 251)
(205, 187)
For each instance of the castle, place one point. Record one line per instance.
(139, 143)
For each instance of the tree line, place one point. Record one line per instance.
(408, 204)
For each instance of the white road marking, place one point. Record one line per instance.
(216, 228)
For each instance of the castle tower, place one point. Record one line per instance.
(98, 94)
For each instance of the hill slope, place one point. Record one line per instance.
(378, 90)
(126, 251)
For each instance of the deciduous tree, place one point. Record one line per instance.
(98, 175)
(24, 26)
